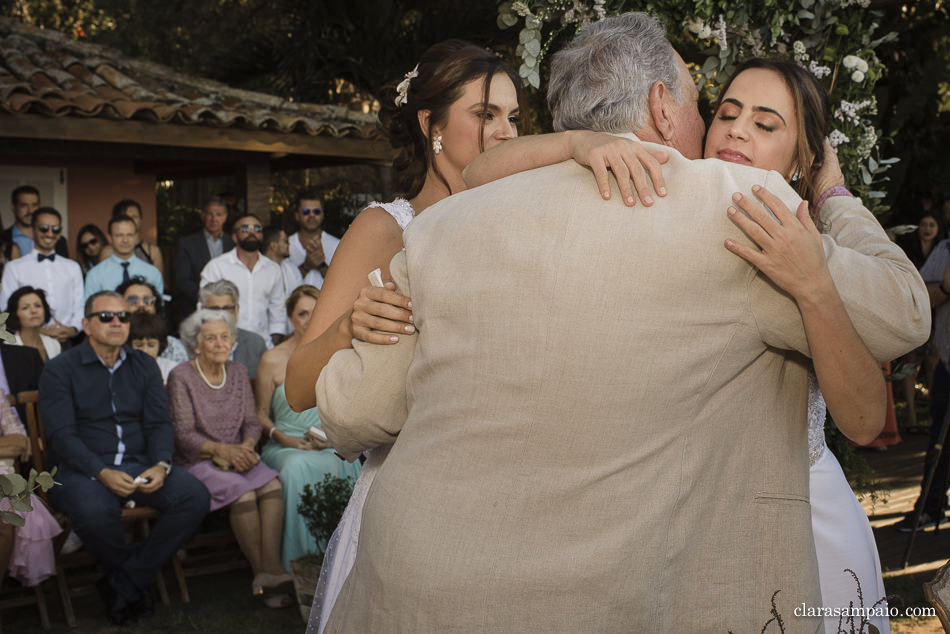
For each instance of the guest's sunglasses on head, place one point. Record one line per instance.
(132, 300)
(316, 211)
(250, 228)
(89, 243)
(56, 229)
(106, 316)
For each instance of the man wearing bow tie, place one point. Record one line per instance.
(56, 274)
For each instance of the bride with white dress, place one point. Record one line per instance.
(458, 101)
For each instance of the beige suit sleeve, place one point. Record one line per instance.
(361, 393)
(881, 289)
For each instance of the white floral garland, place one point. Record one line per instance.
(830, 38)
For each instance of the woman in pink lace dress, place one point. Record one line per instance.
(26, 552)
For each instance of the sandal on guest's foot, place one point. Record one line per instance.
(276, 591)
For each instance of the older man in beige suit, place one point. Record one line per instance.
(601, 423)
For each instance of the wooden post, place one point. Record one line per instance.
(257, 188)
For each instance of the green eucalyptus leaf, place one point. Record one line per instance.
(12, 484)
(533, 48)
(12, 518)
(24, 505)
(45, 480)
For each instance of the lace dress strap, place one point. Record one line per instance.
(816, 420)
(399, 209)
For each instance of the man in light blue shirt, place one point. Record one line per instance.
(122, 265)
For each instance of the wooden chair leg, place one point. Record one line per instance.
(41, 606)
(180, 579)
(64, 597)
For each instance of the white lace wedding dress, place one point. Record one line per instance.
(341, 549)
(843, 537)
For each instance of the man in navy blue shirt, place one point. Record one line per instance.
(109, 429)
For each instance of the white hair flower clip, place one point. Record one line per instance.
(402, 90)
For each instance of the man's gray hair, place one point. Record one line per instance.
(221, 287)
(601, 80)
(191, 327)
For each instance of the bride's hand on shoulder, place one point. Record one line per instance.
(380, 315)
(829, 174)
(633, 166)
(790, 250)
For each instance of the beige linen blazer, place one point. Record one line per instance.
(601, 423)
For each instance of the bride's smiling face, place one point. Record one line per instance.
(756, 123)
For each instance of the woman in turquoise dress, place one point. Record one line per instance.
(298, 456)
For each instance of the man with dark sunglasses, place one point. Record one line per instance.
(311, 248)
(258, 280)
(56, 274)
(109, 431)
(25, 201)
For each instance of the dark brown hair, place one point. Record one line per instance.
(13, 306)
(812, 114)
(443, 71)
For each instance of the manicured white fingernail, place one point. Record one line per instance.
(661, 191)
(410, 329)
(630, 200)
(410, 304)
(647, 200)
(411, 318)
(394, 338)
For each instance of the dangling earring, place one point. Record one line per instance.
(796, 175)
(437, 144)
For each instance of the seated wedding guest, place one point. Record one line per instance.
(147, 333)
(276, 246)
(216, 430)
(142, 297)
(249, 346)
(28, 310)
(91, 247)
(26, 551)
(122, 265)
(145, 251)
(20, 369)
(109, 431)
(920, 243)
(56, 274)
(196, 249)
(258, 278)
(299, 457)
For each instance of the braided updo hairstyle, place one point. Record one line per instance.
(444, 70)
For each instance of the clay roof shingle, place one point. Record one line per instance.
(44, 72)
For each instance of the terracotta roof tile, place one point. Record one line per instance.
(44, 72)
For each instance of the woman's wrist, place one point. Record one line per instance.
(835, 190)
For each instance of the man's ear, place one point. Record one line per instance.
(423, 116)
(659, 111)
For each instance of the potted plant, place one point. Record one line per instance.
(322, 506)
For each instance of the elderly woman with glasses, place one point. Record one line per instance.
(216, 430)
(142, 297)
(249, 346)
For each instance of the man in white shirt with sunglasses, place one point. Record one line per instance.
(311, 248)
(57, 275)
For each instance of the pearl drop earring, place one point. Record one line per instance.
(437, 144)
